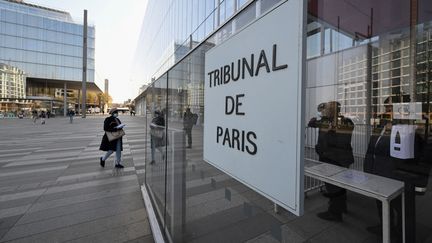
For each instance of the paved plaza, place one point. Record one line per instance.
(52, 188)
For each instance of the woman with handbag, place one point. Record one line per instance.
(112, 139)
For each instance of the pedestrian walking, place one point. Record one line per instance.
(71, 115)
(34, 116)
(112, 139)
(189, 120)
(43, 116)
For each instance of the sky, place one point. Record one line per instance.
(118, 26)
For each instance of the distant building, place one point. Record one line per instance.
(106, 86)
(46, 44)
(12, 87)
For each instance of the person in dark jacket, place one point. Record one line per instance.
(334, 147)
(110, 125)
(157, 135)
(43, 116)
(189, 119)
(413, 170)
(71, 114)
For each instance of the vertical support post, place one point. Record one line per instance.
(369, 80)
(190, 42)
(386, 221)
(403, 217)
(218, 14)
(79, 101)
(322, 41)
(176, 183)
(65, 99)
(84, 72)
(413, 49)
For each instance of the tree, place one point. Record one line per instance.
(104, 99)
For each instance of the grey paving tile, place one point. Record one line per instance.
(91, 174)
(144, 239)
(19, 195)
(84, 229)
(23, 230)
(7, 223)
(3, 232)
(89, 184)
(9, 212)
(121, 234)
(112, 201)
(18, 202)
(85, 191)
(43, 205)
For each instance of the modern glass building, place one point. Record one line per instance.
(47, 45)
(367, 78)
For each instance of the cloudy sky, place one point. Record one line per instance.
(118, 25)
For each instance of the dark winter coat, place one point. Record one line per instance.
(160, 122)
(334, 144)
(189, 119)
(109, 126)
(378, 161)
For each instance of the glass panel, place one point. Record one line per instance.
(156, 148)
(368, 107)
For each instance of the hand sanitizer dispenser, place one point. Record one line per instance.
(402, 141)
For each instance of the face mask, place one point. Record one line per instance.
(319, 114)
(115, 115)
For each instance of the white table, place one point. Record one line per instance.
(370, 185)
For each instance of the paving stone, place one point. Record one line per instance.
(121, 234)
(84, 229)
(145, 239)
(23, 230)
(112, 201)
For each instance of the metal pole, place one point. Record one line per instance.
(84, 73)
(65, 99)
(79, 101)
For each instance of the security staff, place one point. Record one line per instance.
(334, 147)
(394, 155)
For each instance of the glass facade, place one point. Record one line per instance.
(367, 87)
(172, 27)
(44, 43)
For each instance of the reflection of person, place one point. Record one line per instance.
(319, 116)
(396, 151)
(110, 125)
(334, 147)
(157, 135)
(189, 119)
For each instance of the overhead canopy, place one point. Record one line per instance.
(91, 86)
(355, 16)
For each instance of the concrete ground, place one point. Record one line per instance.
(52, 188)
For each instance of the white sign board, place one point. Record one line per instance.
(254, 116)
(409, 111)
